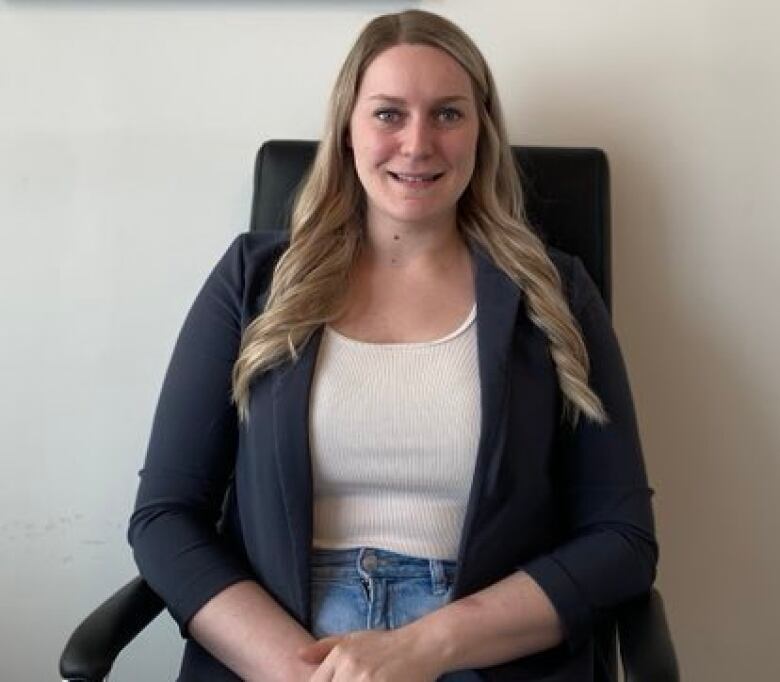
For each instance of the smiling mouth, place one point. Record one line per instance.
(415, 178)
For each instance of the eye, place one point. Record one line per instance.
(388, 115)
(449, 115)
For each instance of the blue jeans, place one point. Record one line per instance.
(375, 589)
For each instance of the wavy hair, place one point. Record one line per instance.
(310, 279)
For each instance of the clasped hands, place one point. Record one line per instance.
(373, 656)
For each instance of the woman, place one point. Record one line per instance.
(419, 413)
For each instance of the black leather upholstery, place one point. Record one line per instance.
(94, 645)
(645, 642)
(567, 199)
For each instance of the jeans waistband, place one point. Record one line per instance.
(370, 562)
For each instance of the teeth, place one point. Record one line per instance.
(415, 178)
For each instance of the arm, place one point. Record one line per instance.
(610, 553)
(488, 627)
(209, 589)
(251, 634)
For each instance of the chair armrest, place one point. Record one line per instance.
(646, 647)
(95, 644)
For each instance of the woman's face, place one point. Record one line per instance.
(414, 133)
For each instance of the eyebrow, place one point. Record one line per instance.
(401, 100)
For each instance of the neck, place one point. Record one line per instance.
(410, 245)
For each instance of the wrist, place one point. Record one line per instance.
(302, 672)
(433, 638)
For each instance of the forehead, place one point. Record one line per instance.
(415, 72)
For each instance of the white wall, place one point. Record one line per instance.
(127, 132)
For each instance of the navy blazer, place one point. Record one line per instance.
(570, 507)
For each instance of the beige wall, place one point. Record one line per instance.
(126, 139)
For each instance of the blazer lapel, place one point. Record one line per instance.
(497, 305)
(291, 428)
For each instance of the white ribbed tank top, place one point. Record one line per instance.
(394, 430)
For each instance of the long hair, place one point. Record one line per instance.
(310, 279)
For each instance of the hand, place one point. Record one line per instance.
(371, 656)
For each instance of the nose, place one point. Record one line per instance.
(417, 140)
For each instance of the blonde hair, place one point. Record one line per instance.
(310, 279)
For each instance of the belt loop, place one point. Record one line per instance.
(438, 579)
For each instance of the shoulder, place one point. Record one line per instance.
(578, 287)
(253, 255)
(245, 270)
(259, 250)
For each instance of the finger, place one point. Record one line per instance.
(323, 674)
(315, 653)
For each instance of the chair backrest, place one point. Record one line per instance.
(566, 197)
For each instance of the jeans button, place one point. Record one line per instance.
(369, 561)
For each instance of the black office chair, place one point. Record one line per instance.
(567, 201)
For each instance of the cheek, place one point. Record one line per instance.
(463, 155)
(370, 154)
(361, 152)
(459, 145)
(377, 149)
(371, 147)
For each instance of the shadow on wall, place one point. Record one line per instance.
(708, 437)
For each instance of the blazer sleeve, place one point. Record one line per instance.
(191, 453)
(610, 554)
